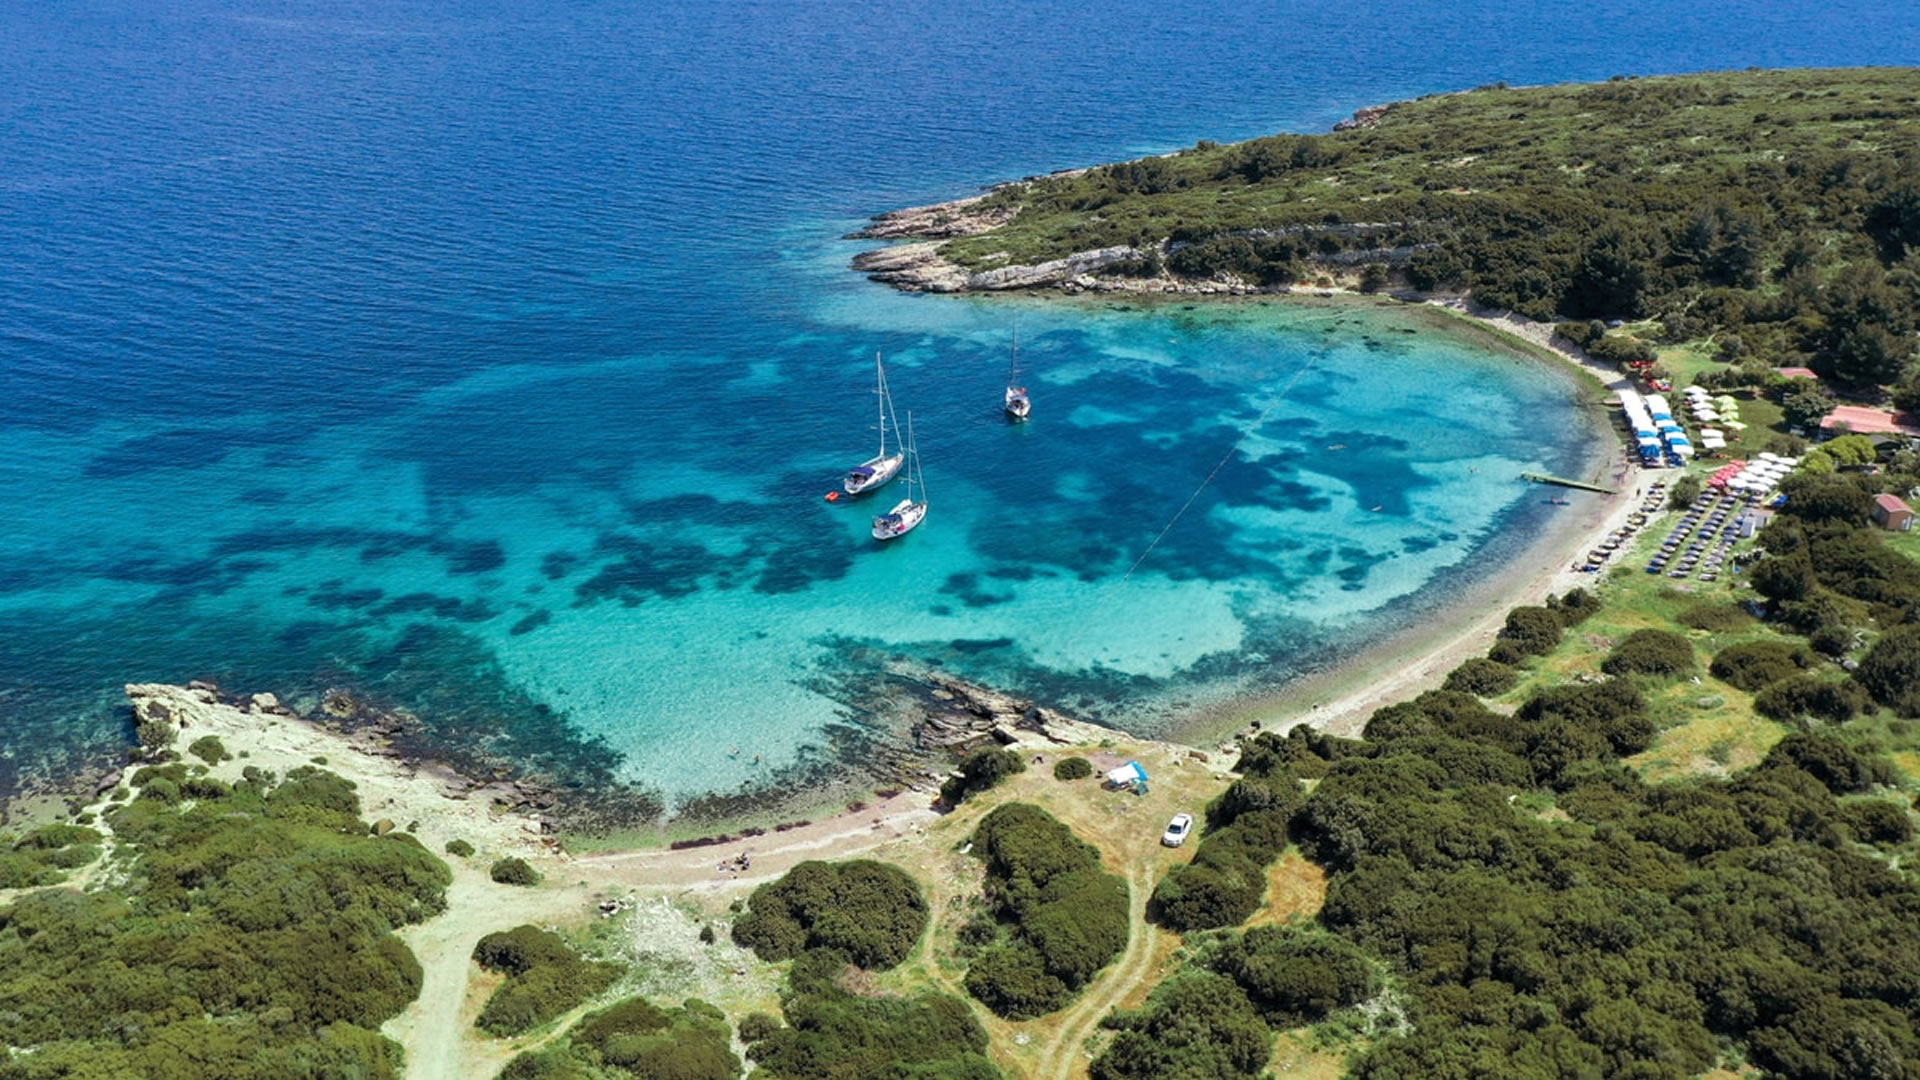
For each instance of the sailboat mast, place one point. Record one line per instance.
(880, 399)
(918, 472)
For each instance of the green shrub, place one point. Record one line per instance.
(1222, 886)
(1066, 918)
(979, 771)
(56, 835)
(692, 1042)
(513, 870)
(872, 912)
(545, 978)
(1879, 821)
(1840, 768)
(1573, 607)
(1507, 652)
(1195, 1025)
(1753, 665)
(1482, 677)
(1891, 670)
(834, 1035)
(22, 871)
(1534, 631)
(1650, 652)
(1809, 695)
(460, 848)
(1296, 977)
(209, 749)
(262, 944)
(1684, 491)
(757, 1027)
(1072, 768)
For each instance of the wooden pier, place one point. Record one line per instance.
(1543, 478)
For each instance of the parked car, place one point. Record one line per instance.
(1177, 830)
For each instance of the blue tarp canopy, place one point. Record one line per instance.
(1130, 773)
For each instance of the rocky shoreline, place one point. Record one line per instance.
(918, 265)
(934, 718)
(165, 715)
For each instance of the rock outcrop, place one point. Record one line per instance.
(940, 221)
(919, 267)
(967, 712)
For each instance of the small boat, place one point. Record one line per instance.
(906, 514)
(881, 467)
(1018, 405)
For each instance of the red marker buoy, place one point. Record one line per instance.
(833, 496)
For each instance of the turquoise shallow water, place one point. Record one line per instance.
(494, 359)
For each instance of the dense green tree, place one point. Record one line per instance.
(1296, 977)
(831, 1034)
(1533, 630)
(1486, 678)
(1196, 1026)
(979, 771)
(1805, 406)
(1890, 671)
(1752, 665)
(1650, 651)
(871, 912)
(545, 978)
(1065, 917)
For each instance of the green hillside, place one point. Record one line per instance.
(1784, 205)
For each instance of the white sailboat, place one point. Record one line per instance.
(1017, 404)
(881, 467)
(906, 514)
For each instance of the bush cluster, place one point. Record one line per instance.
(869, 911)
(1753, 666)
(979, 771)
(1218, 1018)
(1072, 768)
(636, 1040)
(1063, 917)
(253, 940)
(1650, 652)
(545, 978)
(513, 870)
(1482, 678)
(831, 1034)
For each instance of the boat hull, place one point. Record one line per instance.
(878, 471)
(1017, 404)
(901, 520)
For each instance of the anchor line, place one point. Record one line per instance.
(1231, 450)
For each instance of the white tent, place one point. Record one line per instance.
(1130, 773)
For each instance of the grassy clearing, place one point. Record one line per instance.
(1296, 889)
(1708, 726)
(1906, 542)
(1299, 1057)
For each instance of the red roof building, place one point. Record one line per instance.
(1890, 513)
(1864, 421)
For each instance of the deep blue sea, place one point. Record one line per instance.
(492, 358)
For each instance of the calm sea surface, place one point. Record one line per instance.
(494, 357)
